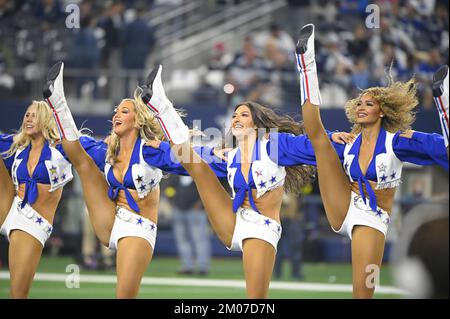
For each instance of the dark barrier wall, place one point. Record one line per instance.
(334, 119)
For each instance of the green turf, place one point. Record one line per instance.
(230, 268)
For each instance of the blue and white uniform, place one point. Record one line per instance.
(267, 172)
(53, 168)
(385, 169)
(144, 174)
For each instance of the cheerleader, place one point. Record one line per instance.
(268, 157)
(358, 182)
(33, 172)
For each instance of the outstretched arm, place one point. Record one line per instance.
(290, 150)
(421, 148)
(94, 148)
(5, 144)
(159, 154)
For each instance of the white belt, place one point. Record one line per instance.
(358, 202)
(251, 216)
(127, 216)
(35, 217)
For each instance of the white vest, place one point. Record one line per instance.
(142, 173)
(267, 175)
(57, 167)
(388, 166)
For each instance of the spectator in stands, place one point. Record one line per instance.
(86, 54)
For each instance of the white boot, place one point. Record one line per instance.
(440, 93)
(306, 65)
(54, 95)
(155, 98)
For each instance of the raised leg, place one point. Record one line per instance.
(24, 255)
(367, 255)
(440, 93)
(215, 199)
(333, 183)
(95, 189)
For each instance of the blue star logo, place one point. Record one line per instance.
(279, 228)
(393, 175)
(39, 220)
(273, 179)
(262, 184)
(63, 177)
(153, 226)
(379, 213)
(383, 178)
(49, 230)
(140, 221)
(267, 222)
(142, 187)
(55, 180)
(139, 179)
(152, 181)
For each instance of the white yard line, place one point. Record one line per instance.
(222, 283)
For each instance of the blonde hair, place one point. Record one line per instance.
(47, 126)
(397, 102)
(145, 122)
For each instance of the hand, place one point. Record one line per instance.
(153, 143)
(343, 137)
(407, 134)
(220, 153)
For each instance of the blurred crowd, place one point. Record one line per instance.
(353, 48)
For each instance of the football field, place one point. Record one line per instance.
(225, 281)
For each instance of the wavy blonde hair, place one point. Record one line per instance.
(47, 126)
(145, 122)
(397, 101)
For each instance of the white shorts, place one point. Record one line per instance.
(129, 224)
(251, 224)
(361, 214)
(27, 220)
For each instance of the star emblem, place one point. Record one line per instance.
(49, 230)
(383, 178)
(393, 175)
(273, 179)
(53, 169)
(63, 177)
(152, 181)
(139, 179)
(262, 184)
(382, 168)
(279, 228)
(140, 221)
(55, 180)
(142, 187)
(153, 226)
(258, 173)
(379, 213)
(39, 220)
(267, 222)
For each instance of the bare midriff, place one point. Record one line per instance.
(148, 205)
(385, 197)
(268, 204)
(46, 203)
